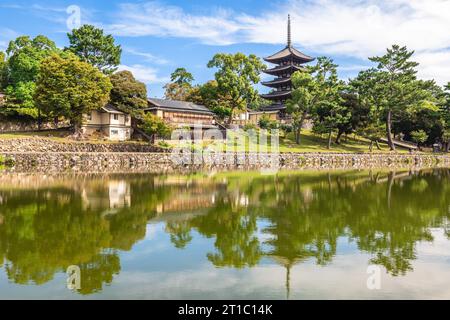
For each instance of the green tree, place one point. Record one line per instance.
(236, 76)
(128, 94)
(93, 46)
(419, 136)
(373, 126)
(305, 96)
(358, 114)
(70, 88)
(330, 112)
(154, 126)
(210, 96)
(181, 77)
(23, 67)
(394, 85)
(180, 86)
(445, 112)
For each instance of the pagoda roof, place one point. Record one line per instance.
(277, 95)
(274, 107)
(281, 69)
(289, 52)
(275, 83)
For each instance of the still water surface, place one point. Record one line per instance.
(296, 235)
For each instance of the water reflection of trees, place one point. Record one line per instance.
(304, 216)
(45, 230)
(289, 218)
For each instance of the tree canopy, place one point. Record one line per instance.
(128, 94)
(93, 46)
(71, 88)
(22, 69)
(180, 86)
(236, 75)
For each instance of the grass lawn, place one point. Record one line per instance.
(309, 142)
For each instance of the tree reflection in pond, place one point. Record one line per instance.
(48, 225)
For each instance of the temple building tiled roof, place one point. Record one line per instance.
(182, 106)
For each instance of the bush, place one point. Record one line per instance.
(250, 126)
(164, 144)
(419, 136)
(266, 123)
(6, 161)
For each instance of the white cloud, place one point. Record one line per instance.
(6, 35)
(434, 65)
(144, 74)
(147, 56)
(153, 18)
(353, 28)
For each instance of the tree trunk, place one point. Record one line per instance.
(76, 128)
(339, 135)
(230, 119)
(371, 146)
(39, 119)
(378, 145)
(389, 131)
(329, 139)
(297, 135)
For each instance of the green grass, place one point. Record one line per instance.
(309, 142)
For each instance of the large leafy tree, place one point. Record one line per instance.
(70, 88)
(236, 76)
(211, 97)
(305, 96)
(128, 94)
(93, 46)
(395, 85)
(317, 95)
(330, 112)
(180, 86)
(372, 126)
(23, 67)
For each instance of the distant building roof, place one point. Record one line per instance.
(181, 106)
(110, 109)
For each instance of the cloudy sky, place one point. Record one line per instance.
(159, 36)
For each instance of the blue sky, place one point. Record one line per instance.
(159, 36)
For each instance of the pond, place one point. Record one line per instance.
(237, 235)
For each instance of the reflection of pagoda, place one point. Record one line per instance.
(288, 61)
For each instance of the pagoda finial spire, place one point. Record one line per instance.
(289, 43)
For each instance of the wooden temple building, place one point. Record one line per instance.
(286, 61)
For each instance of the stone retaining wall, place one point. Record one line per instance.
(26, 145)
(163, 162)
(11, 125)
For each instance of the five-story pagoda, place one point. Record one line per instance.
(287, 61)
